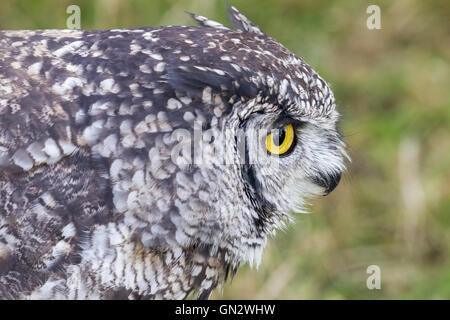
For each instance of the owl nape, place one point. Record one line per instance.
(151, 163)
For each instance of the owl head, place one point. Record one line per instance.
(267, 138)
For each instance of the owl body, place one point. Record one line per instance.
(129, 167)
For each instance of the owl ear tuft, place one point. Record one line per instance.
(205, 22)
(241, 22)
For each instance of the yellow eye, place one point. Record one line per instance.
(280, 141)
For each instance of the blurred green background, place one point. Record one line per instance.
(392, 86)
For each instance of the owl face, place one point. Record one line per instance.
(289, 160)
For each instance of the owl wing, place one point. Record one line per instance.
(36, 127)
(86, 124)
(50, 189)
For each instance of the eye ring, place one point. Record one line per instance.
(280, 141)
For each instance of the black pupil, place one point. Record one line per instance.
(279, 137)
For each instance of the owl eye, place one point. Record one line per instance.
(280, 141)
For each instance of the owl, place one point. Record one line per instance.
(151, 163)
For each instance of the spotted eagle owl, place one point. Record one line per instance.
(151, 163)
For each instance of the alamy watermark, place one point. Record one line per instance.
(374, 19)
(74, 19)
(211, 147)
(374, 280)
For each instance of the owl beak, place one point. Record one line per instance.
(329, 182)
